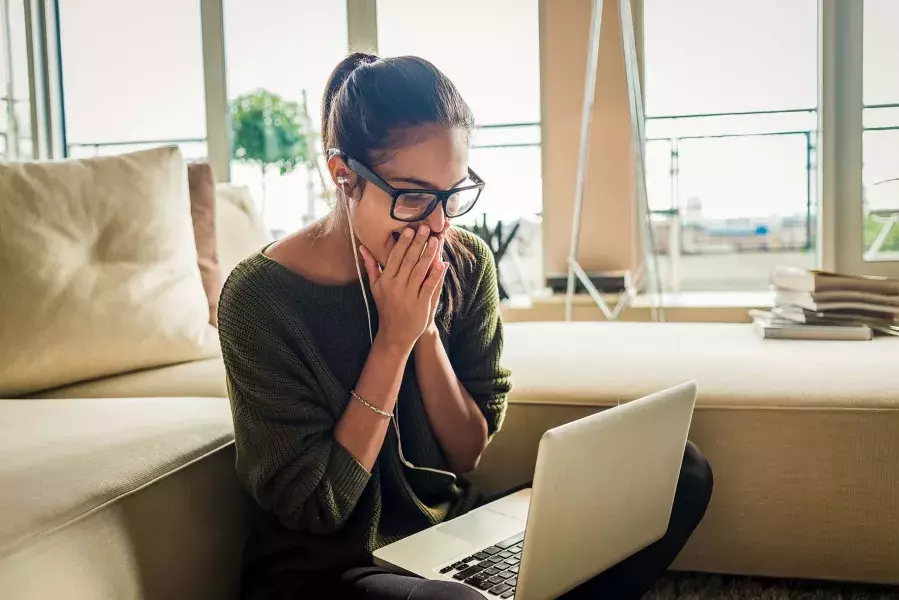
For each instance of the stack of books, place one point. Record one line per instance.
(819, 305)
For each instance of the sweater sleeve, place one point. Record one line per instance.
(287, 456)
(476, 342)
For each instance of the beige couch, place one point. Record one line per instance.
(104, 497)
(124, 487)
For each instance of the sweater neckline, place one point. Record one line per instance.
(323, 290)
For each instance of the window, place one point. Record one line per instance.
(734, 92)
(490, 50)
(132, 76)
(880, 137)
(15, 105)
(283, 52)
(731, 97)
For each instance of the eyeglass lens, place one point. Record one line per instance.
(412, 206)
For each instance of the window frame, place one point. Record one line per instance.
(839, 141)
(44, 91)
(841, 127)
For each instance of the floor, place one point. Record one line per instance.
(685, 586)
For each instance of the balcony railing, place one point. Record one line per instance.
(738, 144)
(193, 148)
(683, 133)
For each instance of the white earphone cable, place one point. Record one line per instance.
(355, 249)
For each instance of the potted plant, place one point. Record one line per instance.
(268, 130)
(497, 240)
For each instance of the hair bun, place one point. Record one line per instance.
(338, 78)
(361, 58)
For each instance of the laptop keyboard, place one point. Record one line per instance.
(493, 569)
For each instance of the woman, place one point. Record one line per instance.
(319, 356)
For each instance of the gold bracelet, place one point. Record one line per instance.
(382, 413)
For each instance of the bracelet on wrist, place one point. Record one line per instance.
(378, 411)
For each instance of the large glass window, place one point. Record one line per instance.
(880, 139)
(15, 106)
(490, 50)
(278, 59)
(132, 76)
(731, 96)
(731, 104)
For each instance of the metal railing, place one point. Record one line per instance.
(491, 128)
(12, 136)
(809, 134)
(675, 142)
(73, 147)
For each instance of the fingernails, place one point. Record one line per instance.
(432, 242)
(407, 233)
(423, 230)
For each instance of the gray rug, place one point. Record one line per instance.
(685, 586)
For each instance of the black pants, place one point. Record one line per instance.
(629, 579)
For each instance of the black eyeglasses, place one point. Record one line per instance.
(415, 204)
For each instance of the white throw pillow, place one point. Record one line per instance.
(98, 270)
(239, 230)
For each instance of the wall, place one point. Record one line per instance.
(608, 236)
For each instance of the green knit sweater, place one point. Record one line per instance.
(293, 350)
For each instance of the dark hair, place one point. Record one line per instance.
(373, 105)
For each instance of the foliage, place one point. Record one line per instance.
(268, 130)
(873, 226)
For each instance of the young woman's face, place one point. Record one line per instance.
(438, 160)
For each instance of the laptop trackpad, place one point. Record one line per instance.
(482, 527)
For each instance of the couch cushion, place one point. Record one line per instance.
(66, 458)
(239, 232)
(202, 212)
(199, 378)
(604, 363)
(86, 506)
(202, 378)
(99, 270)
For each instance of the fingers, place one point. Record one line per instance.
(413, 253)
(439, 254)
(398, 253)
(426, 262)
(371, 265)
(434, 281)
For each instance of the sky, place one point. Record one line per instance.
(133, 71)
(714, 56)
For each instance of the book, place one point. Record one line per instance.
(839, 301)
(801, 316)
(769, 326)
(840, 296)
(811, 281)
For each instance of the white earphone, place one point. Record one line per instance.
(399, 442)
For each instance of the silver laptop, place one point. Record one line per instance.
(603, 489)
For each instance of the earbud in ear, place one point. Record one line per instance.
(342, 180)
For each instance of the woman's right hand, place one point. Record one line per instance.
(404, 287)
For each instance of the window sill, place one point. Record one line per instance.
(684, 307)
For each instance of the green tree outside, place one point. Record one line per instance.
(269, 131)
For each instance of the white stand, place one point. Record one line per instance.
(635, 100)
